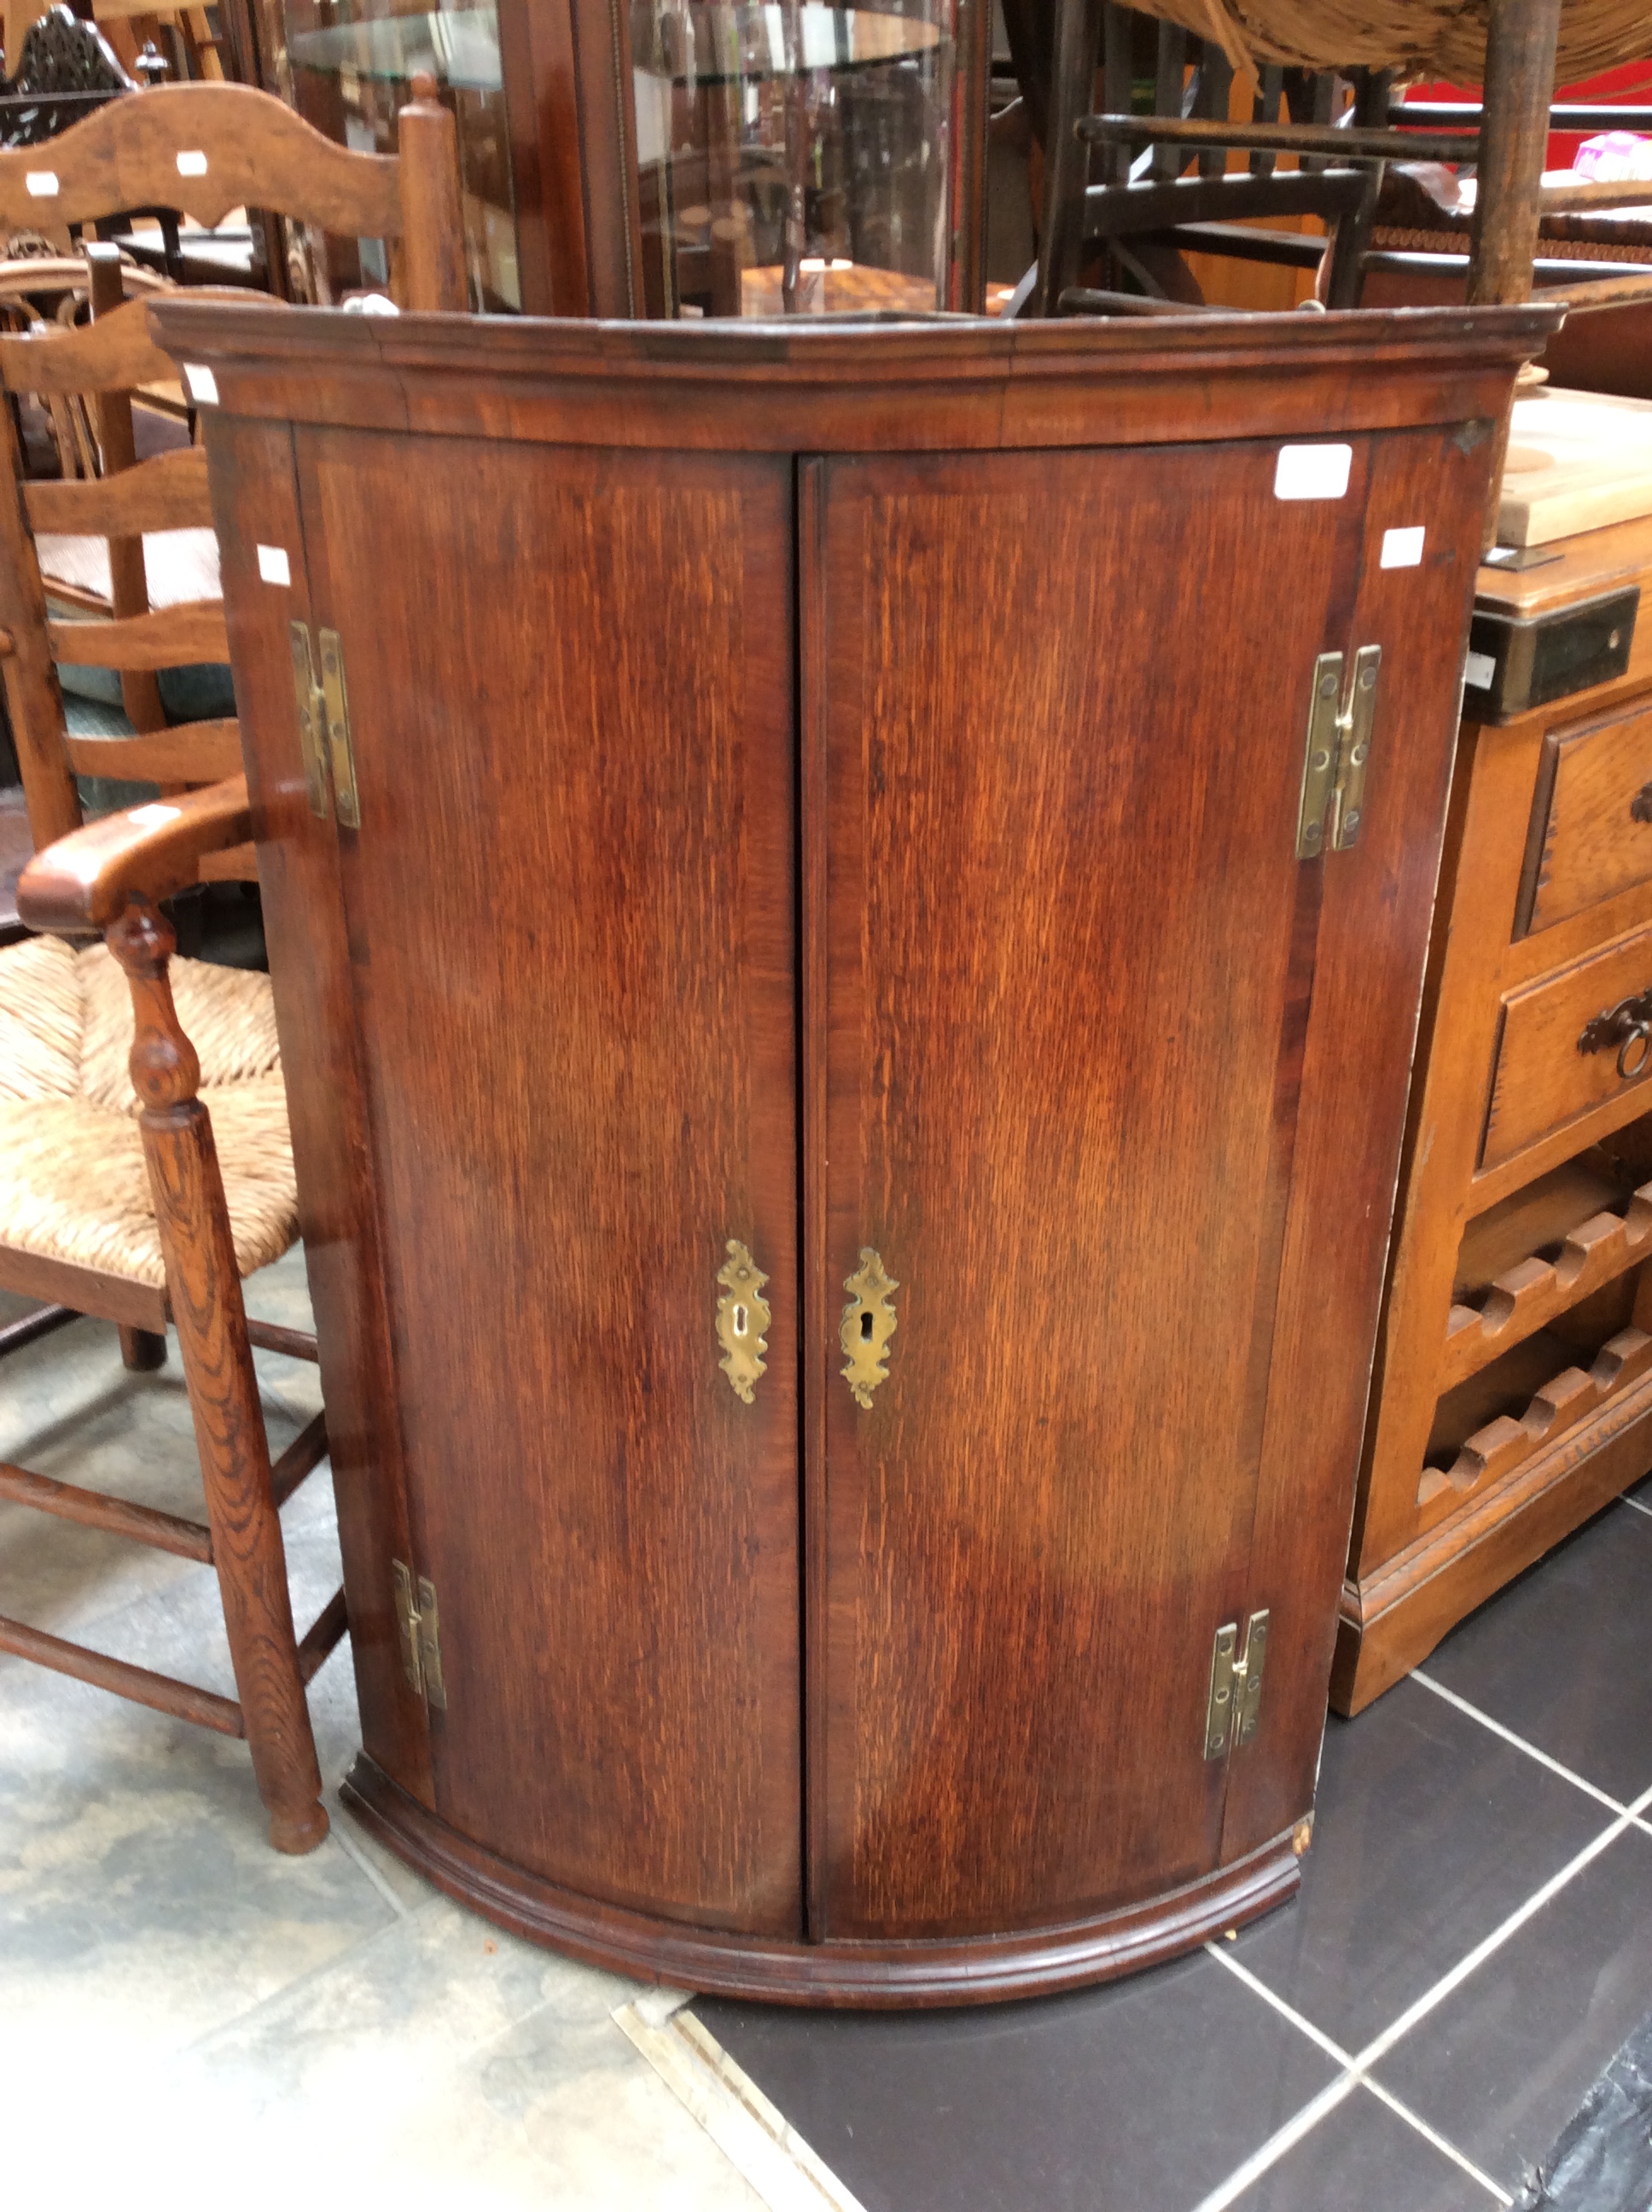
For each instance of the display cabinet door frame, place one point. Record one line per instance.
(1082, 1112)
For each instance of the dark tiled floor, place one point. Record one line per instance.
(1538, 1659)
(1473, 1939)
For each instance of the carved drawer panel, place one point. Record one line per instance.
(1571, 1042)
(1592, 821)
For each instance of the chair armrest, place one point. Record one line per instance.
(82, 882)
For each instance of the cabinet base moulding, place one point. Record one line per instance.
(1394, 1618)
(968, 1970)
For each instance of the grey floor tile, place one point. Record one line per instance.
(258, 2030)
(1139, 2096)
(1363, 2157)
(1429, 1832)
(492, 2073)
(140, 1903)
(1558, 1657)
(1505, 2060)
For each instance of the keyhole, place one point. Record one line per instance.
(739, 1320)
(865, 1328)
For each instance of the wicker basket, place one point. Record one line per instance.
(1445, 38)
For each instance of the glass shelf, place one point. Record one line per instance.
(461, 49)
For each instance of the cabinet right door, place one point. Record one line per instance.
(1102, 1096)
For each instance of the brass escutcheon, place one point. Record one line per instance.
(867, 1326)
(743, 1315)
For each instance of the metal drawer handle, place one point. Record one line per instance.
(1629, 1026)
(1640, 807)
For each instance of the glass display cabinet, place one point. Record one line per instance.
(794, 158)
(347, 66)
(665, 158)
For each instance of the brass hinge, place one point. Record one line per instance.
(312, 717)
(1337, 752)
(323, 723)
(420, 1633)
(1234, 1706)
(339, 728)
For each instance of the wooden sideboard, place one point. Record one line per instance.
(1513, 1376)
(848, 1065)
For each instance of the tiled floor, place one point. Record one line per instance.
(1472, 1943)
(176, 2000)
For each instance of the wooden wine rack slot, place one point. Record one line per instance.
(1503, 1444)
(1527, 1296)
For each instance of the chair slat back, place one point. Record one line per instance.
(201, 150)
(205, 148)
(104, 359)
(167, 493)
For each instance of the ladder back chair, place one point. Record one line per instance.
(116, 1198)
(124, 1197)
(203, 148)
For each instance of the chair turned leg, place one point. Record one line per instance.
(205, 1288)
(141, 1350)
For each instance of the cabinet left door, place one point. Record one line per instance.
(545, 993)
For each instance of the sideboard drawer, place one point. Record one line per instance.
(1569, 1043)
(1592, 822)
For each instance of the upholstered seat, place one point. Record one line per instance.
(73, 1183)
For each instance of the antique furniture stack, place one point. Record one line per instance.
(846, 907)
(1513, 1380)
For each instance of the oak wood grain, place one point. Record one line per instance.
(255, 494)
(167, 493)
(164, 1692)
(1542, 1080)
(170, 637)
(1040, 1114)
(204, 1291)
(846, 783)
(1588, 842)
(941, 385)
(86, 1289)
(982, 1970)
(93, 1509)
(180, 755)
(254, 150)
(81, 883)
(649, 945)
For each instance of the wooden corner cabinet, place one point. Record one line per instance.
(847, 906)
(1514, 1375)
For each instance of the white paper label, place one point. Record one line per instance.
(202, 384)
(1403, 549)
(1313, 472)
(191, 165)
(273, 564)
(42, 184)
(1478, 670)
